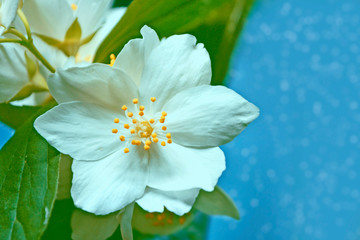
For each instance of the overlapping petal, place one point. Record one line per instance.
(13, 73)
(96, 83)
(107, 185)
(208, 116)
(176, 64)
(178, 168)
(7, 13)
(136, 53)
(178, 202)
(81, 130)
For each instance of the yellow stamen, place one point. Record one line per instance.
(168, 135)
(135, 101)
(146, 147)
(126, 150)
(130, 114)
(116, 120)
(151, 121)
(134, 121)
(153, 99)
(148, 142)
(122, 138)
(141, 108)
(154, 135)
(141, 113)
(155, 140)
(112, 59)
(163, 143)
(133, 142)
(132, 131)
(164, 128)
(114, 130)
(169, 141)
(127, 126)
(138, 142)
(74, 6)
(124, 107)
(164, 114)
(162, 120)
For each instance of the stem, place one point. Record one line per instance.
(37, 54)
(16, 33)
(9, 40)
(26, 23)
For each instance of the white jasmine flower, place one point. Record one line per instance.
(7, 13)
(146, 129)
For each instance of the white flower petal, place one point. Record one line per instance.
(208, 116)
(53, 55)
(177, 168)
(96, 83)
(13, 73)
(108, 185)
(7, 13)
(81, 130)
(87, 51)
(176, 64)
(178, 202)
(49, 18)
(136, 52)
(90, 14)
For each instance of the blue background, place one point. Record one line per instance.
(293, 172)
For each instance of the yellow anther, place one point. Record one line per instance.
(162, 120)
(116, 120)
(155, 140)
(133, 142)
(154, 135)
(151, 121)
(126, 150)
(169, 141)
(141, 108)
(134, 121)
(132, 131)
(124, 107)
(141, 113)
(146, 147)
(164, 114)
(163, 128)
(74, 6)
(153, 99)
(122, 138)
(148, 142)
(112, 59)
(112, 56)
(135, 101)
(114, 130)
(130, 114)
(127, 126)
(163, 143)
(138, 142)
(168, 135)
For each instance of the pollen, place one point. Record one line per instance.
(135, 101)
(114, 130)
(155, 140)
(169, 141)
(163, 128)
(141, 108)
(126, 150)
(74, 6)
(146, 147)
(168, 135)
(116, 120)
(154, 135)
(153, 99)
(164, 114)
(163, 143)
(151, 121)
(138, 142)
(132, 131)
(127, 126)
(130, 114)
(133, 142)
(122, 138)
(134, 121)
(162, 120)
(148, 142)
(141, 113)
(124, 107)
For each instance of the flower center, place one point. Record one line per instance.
(143, 130)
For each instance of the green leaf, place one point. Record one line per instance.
(28, 183)
(215, 23)
(14, 116)
(216, 203)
